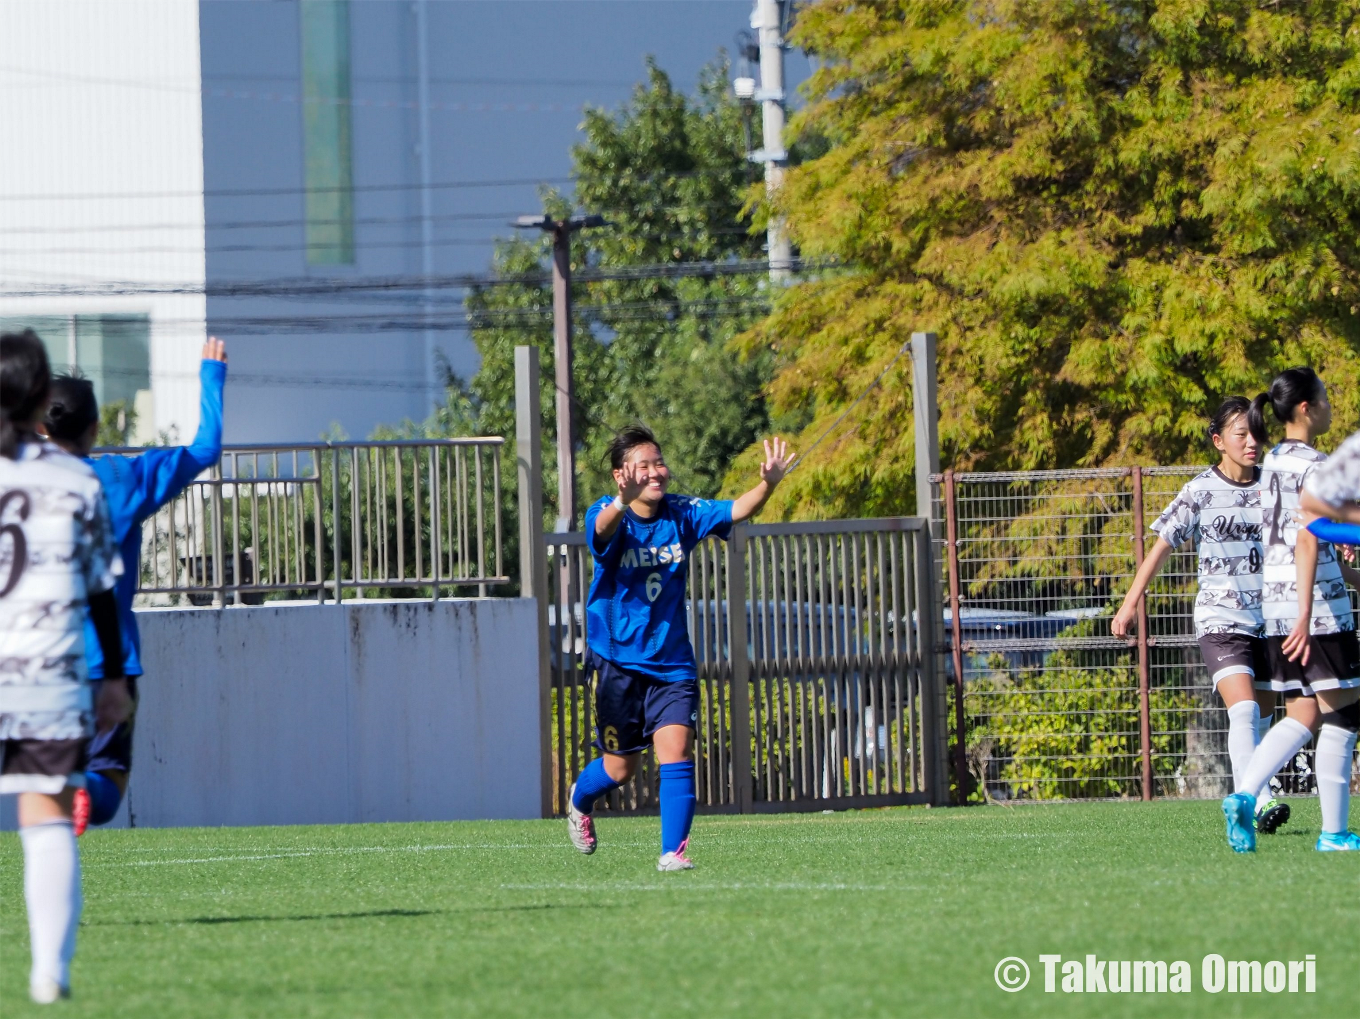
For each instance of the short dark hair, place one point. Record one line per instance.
(73, 408)
(627, 440)
(25, 379)
(1227, 410)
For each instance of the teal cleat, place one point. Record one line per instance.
(1270, 814)
(1239, 810)
(1338, 842)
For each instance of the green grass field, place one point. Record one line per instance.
(900, 912)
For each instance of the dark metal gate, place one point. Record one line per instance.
(817, 670)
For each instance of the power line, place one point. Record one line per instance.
(832, 427)
(306, 287)
(207, 226)
(356, 188)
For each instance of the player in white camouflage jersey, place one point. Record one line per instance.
(1310, 628)
(57, 561)
(1219, 511)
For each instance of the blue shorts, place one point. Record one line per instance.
(630, 706)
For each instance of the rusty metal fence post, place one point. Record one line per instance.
(956, 636)
(1144, 691)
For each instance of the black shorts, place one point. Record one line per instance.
(1333, 664)
(112, 751)
(630, 706)
(1231, 654)
(41, 765)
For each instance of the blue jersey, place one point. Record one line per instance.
(135, 487)
(635, 615)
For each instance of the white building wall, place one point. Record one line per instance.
(102, 177)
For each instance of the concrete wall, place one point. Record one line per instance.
(314, 714)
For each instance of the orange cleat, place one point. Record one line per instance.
(80, 812)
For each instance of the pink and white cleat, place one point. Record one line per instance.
(676, 860)
(580, 827)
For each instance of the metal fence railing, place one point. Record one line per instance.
(330, 519)
(1045, 702)
(816, 672)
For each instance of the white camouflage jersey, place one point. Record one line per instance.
(56, 549)
(1223, 518)
(1286, 469)
(1337, 479)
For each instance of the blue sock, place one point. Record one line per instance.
(677, 804)
(104, 797)
(591, 784)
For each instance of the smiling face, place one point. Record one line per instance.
(650, 470)
(1237, 444)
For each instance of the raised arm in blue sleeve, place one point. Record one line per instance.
(1335, 531)
(136, 486)
(161, 474)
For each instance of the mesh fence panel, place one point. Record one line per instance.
(1051, 700)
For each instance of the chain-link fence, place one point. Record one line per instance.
(1045, 702)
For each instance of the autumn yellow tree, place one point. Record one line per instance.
(1114, 214)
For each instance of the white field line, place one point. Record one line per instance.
(684, 885)
(284, 854)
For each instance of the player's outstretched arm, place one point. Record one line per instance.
(163, 472)
(1346, 513)
(772, 470)
(1122, 623)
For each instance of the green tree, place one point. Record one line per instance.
(669, 172)
(1113, 214)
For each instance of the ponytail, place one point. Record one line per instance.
(1290, 388)
(1256, 418)
(25, 379)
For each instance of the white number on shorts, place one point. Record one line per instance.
(653, 586)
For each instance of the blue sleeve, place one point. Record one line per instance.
(1335, 532)
(707, 516)
(161, 474)
(599, 549)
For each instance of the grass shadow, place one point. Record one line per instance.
(370, 914)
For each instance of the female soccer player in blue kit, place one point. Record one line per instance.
(135, 488)
(645, 676)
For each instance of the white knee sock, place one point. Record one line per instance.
(1242, 719)
(1284, 740)
(1263, 724)
(1332, 765)
(52, 892)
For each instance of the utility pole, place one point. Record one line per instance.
(766, 19)
(561, 230)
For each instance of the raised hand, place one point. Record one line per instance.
(214, 350)
(776, 462)
(631, 482)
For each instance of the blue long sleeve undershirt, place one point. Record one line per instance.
(135, 487)
(1335, 531)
